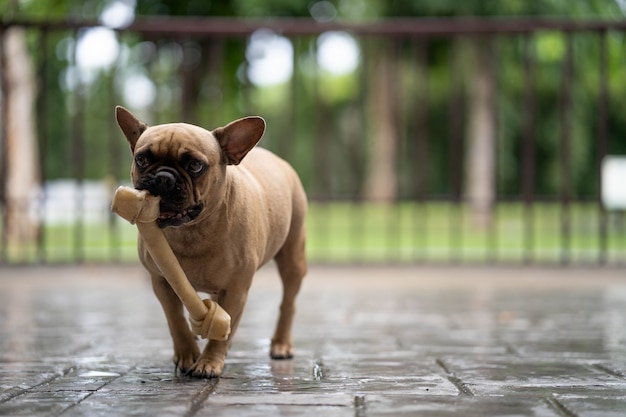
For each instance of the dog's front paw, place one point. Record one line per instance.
(184, 359)
(281, 350)
(207, 368)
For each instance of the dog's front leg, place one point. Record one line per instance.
(210, 364)
(186, 350)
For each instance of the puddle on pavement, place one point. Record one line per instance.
(95, 374)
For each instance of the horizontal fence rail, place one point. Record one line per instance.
(417, 140)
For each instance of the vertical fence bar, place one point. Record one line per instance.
(78, 158)
(3, 145)
(320, 157)
(215, 77)
(603, 103)
(565, 109)
(493, 67)
(421, 156)
(287, 143)
(361, 219)
(115, 165)
(187, 80)
(394, 78)
(42, 133)
(455, 144)
(397, 217)
(528, 150)
(492, 237)
(322, 152)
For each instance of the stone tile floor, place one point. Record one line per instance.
(371, 341)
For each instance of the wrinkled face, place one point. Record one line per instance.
(180, 163)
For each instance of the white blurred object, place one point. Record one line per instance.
(614, 182)
(66, 201)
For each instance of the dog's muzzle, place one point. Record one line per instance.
(162, 182)
(166, 183)
(165, 180)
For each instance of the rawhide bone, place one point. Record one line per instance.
(207, 318)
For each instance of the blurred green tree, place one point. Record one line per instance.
(208, 78)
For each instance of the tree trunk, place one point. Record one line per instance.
(22, 176)
(381, 181)
(480, 186)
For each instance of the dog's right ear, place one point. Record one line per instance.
(130, 125)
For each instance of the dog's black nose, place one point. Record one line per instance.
(164, 180)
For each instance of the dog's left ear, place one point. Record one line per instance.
(130, 125)
(239, 137)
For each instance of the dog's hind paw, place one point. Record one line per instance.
(281, 351)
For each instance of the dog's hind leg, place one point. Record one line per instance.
(292, 266)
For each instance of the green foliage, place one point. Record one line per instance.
(321, 122)
(586, 8)
(51, 9)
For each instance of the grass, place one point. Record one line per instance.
(375, 233)
(408, 232)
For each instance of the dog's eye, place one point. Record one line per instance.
(141, 161)
(195, 166)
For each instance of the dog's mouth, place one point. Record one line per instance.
(172, 217)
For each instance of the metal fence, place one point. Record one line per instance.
(446, 140)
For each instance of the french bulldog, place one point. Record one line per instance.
(224, 217)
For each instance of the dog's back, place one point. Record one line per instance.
(282, 189)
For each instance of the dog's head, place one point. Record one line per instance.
(184, 164)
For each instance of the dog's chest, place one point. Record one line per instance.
(208, 275)
(218, 268)
(211, 270)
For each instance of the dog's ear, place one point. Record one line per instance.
(130, 125)
(239, 137)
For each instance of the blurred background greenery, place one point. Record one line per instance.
(379, 127)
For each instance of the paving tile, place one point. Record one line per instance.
(514, 375)
(332, 404)
(598, 406)
(393, 405)
(18, 378)
(286, 410)
(42, 403)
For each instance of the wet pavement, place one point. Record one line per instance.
(427, 341)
